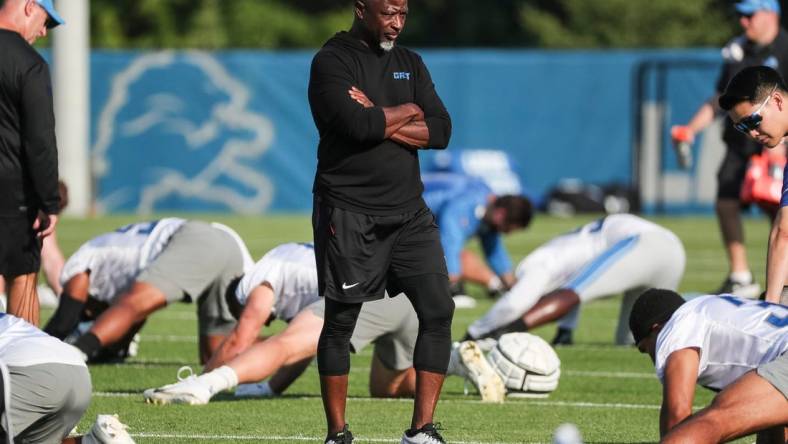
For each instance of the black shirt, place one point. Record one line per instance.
(357, 168)
(28, 151)
(741, 53)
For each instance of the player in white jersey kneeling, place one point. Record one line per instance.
(616, 254)
(280, 285)
(121, 277)
(46, 389)
(735, 345)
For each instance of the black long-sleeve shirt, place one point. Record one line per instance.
(28, 151)
(358, 169)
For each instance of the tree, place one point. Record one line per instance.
(273, 24)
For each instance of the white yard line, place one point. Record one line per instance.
(601, 374)
(163, 363)
(285, 438)
(577, 404)
(168, 338)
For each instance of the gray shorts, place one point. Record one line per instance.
(198, 264)
(390, 323)
(776, 372)
(47, 401)
(651, 259)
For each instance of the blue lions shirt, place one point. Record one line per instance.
(459, 202)
(784, 197)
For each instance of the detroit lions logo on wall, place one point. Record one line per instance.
(177, 133)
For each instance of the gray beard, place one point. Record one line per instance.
(387, 46)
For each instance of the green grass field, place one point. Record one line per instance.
(609, 392)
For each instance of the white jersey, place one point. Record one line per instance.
(291, 272)
(23, 345)
(115, 259)
(733, 335)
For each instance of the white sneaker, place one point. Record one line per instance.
(134, 346)
(750, 290)
(463, 301)
(108, 430)
(46, 297)
(186, 391)
(425, 435)
(475, 368)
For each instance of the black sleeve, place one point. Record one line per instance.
(435, 114)
(724, 78)
(332, 107)
(38, 135)
(66, 317)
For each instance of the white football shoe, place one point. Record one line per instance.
(108, 430)
(187, 390)
(425, 435)
(469, 361)
(463, 301)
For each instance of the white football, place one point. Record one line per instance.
(527, 364)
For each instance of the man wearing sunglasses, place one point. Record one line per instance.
(756, 103)
(763, 42)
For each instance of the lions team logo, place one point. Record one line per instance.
(177, 133)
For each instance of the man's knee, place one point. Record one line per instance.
(333, 349)
(431, 299)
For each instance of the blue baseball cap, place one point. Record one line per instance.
(54, 17)
(750, 7)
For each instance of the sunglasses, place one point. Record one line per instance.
(752, 121)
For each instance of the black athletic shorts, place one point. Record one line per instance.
(360, 255)
(20, 248)
(730, 175)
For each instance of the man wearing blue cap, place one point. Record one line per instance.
(28, 150)
(763, 43)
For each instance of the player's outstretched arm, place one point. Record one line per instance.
(297, 342)
(678, 389)
(732, 414)
(777, 259)
(52, 262)
(255, 313)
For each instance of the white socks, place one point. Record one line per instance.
(742, 277)
(220, 379)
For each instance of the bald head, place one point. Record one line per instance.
(378, 23)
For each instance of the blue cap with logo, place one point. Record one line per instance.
(54, 17)
(749, 7)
